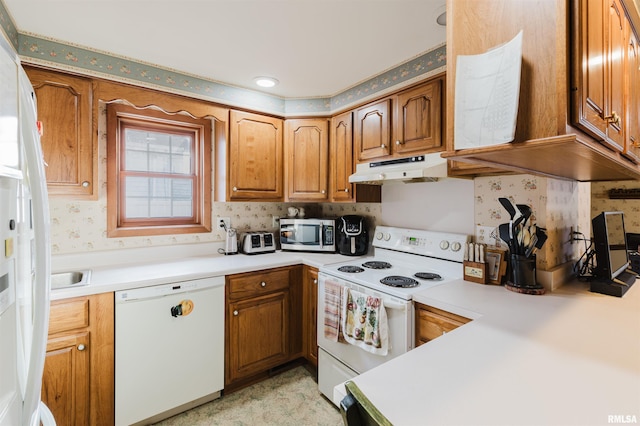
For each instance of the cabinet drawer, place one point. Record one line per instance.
(68, 315)
(251, 284)
(432, 323)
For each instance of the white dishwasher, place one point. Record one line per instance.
(169, 349)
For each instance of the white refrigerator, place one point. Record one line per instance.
(24, 250)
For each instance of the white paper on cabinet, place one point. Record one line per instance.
(487, 93)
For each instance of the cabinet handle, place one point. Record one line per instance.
(383, 146)
(323, 191)
(315, 281)
(235, 313)
(81, 347)
(235, 188)
(399, 143)
(263, 284)
(346, 190)
(85, 184)
(614, 118)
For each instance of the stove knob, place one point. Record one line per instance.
(379, 235)
(456, 246)
(387, 237)
(444, 244)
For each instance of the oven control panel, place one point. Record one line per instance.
(444, 245)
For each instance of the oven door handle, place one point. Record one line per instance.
(394, 305)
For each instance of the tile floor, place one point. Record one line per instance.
(290, 398)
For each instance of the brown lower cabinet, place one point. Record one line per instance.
(310, 296)
(263, 323)
(78, 379)
(432, 323)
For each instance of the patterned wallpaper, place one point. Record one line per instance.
(37, 49)
(600, 202)
(557, 205)
(79, 226)
(49, 52)
(7, 26)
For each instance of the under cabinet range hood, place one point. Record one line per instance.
(420, 168)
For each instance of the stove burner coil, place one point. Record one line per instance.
(350, 269)
(376, 264)
(399, 281)
(427, 276)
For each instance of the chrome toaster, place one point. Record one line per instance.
(258, 242)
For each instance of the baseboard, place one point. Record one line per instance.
(556, 277)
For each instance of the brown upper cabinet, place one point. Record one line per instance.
(419, 120)
(342, 164)
(633, 112)
(255, 158)
(341, 157)
(64, 108)
(576, 73)
(373, 130)
(601, 106)
(418, 129)
(307, 159)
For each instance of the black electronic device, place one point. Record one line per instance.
(352, 237)
(611, 274)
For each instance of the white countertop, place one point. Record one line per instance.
(567, 357)
(146, 273)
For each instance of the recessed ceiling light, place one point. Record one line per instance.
(265, 81)
(440, 15)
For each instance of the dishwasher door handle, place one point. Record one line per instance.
(184, 308)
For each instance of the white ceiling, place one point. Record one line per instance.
(313, 47)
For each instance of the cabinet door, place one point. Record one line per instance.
(419, 119)
(603, 26)
(341, 158)
(255, 157)
(311, 314)
(64, 108)
(617, 49)
(307, 159)
(593, 102)
(633, 113)
(373, 130)
(432, 323)
(65, 385)
(258, 334)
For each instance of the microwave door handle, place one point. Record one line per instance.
(320, 237)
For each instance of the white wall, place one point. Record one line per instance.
(446, 205)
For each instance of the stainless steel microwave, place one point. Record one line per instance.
(308, 235)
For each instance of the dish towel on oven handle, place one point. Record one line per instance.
(332, 305)
(364, 322)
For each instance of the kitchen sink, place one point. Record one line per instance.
(69, 279)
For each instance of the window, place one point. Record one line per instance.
(158, 172)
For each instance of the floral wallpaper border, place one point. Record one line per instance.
(36, 49)
(8, 27)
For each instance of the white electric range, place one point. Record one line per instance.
(404, 261)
